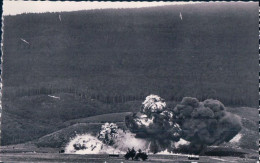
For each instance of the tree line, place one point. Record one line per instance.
(114, 98)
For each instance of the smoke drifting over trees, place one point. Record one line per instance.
(201, 123)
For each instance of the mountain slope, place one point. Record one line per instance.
(212, 52)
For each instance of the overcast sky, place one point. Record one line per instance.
(19, 7)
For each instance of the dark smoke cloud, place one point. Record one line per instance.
(201, 123)
(205, 123)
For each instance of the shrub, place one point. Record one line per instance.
(130, 154)
(136, 156)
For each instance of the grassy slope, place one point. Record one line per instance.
(111, 118)
(89, 125)
(92, 57)
(249, 132)
(22, 123)
(61, 137)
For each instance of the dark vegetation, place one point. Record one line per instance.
(79, 146)
(141, 156)
(135, 155)
(107, 61)
(130, 154)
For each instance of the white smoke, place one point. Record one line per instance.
(166, 152)
(181, 142)
(91, 145)
(108, 133)
(127, 140)
(236, 139)
(144, 120)
(153, 103)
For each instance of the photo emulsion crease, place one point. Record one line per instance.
(122, 82)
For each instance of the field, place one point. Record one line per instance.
(68, 158)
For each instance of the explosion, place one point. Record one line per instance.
(126, 140)
(109, 140)
(199, 123)
(108, 133)
(190, 127)
(87, 144)
(205, 123)
(155, 123)
(153, 104)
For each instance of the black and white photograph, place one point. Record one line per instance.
(129, 82)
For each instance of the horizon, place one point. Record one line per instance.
(22, 7)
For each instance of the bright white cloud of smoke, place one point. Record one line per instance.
(108, 133)
(144, 120)
(88, 144)
(181, 142)
(127, 140)
(153, 103)
(236, 139)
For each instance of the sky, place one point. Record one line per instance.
(19, 7)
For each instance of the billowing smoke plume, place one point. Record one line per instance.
(87, 144)
(200, 123)
(127, 140)
(205, 123)
(108, 133)
(155, 123)
(153, 104)
(110, 139)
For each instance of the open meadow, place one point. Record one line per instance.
(102, 158)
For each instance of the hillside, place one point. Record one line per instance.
(57, 140)
(92, 125)
(61, 137)
(108, 61)
(249, 133)
(21, 122)
(101, 52)
(111, 118)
